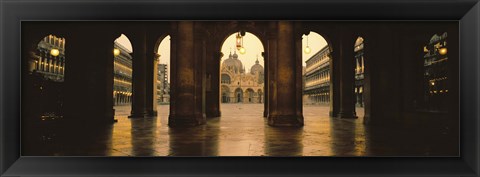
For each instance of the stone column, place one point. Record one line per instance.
(213, 78)
(89, 88)
(31, 104)
(347, 75)
(283, 80)
(271, 99)
(139, 65)
(151, 80)
(334, 91)
(264, 99)
(188, 88)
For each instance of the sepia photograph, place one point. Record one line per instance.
(240, 88)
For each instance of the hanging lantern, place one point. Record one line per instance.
(116, 52)
(239, 41)
(54, 52)
(242, 50)
(442, 51)
(307, 49)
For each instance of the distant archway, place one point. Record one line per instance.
(316, 56)
(242, 68)
(238, 95)
(225, 94)
(162, 70)
(122, 71)
(250, 95)
(46, 68)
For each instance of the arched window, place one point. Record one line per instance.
(225, 79)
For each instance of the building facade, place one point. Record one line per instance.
(163, 87)
(122, 75)
(237, 86)
(359, 72)
(49, 60)
(317, 78)
(46, 70)
(436, 73)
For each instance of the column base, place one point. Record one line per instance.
(366, 120)
(285, 120)
(139, 114)
(151, 113)
(347, 115)
(332, 114)
(186, 120)
(215, 113)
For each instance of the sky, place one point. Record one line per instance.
(253, 47)
(315, 42)
(251, 43)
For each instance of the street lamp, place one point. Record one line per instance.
(54, 52)
(239, 43)
(116, 52)
(442, 51)
(242, 50)
(307, 49)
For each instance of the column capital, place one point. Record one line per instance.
(156, 56)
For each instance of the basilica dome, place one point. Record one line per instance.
(233, 63)
(257, 68)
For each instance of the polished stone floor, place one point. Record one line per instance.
(242, 131)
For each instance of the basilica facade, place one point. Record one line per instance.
(238, 86)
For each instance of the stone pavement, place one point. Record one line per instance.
(243, 131)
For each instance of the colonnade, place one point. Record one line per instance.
(195, 86)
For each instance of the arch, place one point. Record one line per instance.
(260, 96)
(240, 77)
(225, 79)
(255, 28)
(359, 71)
(250, 95)
(225, 94)
(161, 39)
(125, 41)
(436, 76)
(48, 60)
(318, 69)
(238, 95)
(162, 49)
(254, 48)
(46, 64)
(122, 70)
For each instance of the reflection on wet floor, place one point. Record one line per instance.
(241, 131)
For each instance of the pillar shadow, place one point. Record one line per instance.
(144, 136)
(347, 138)
(283, 141)
(195, 141)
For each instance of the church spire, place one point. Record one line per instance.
(256, 62)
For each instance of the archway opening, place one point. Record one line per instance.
(43, 88)
(122, 75)
(162, 77)
(435, 75)
(46, 68)
(316, 72)
(242, 74)
(359, 77)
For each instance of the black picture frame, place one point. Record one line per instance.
(467, 12)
